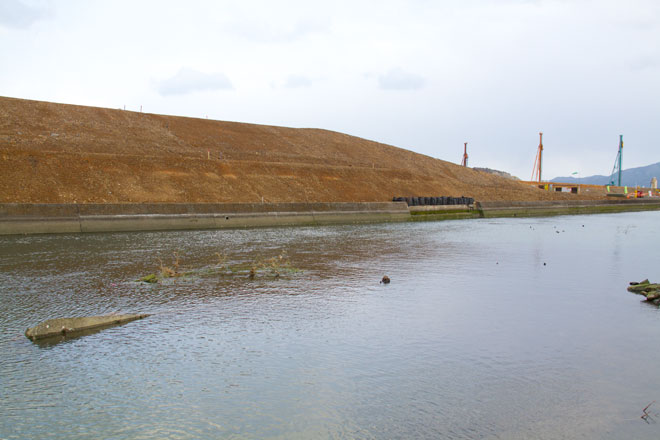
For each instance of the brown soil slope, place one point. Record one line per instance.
(56, 153)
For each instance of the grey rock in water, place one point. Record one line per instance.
(647, 289)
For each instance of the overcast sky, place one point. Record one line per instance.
(422, 75)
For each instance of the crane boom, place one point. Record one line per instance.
(617, 164)
(536, 172)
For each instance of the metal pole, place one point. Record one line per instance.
(540, 154)
(620, 156)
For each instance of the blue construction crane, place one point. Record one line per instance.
(617, 164)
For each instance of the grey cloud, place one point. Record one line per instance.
(297, 81)
(645, 62)
(398, 79)
(189, 81)
(16, 14)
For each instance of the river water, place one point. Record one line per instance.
(490, 329)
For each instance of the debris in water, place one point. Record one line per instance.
(151, 278)
(646, 415)
(647, 289)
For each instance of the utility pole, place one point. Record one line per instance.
(465, 155)
(536, 172)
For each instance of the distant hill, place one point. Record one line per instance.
(633, 176)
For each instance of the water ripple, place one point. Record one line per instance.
(474, 338)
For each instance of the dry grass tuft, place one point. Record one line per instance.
(169, 272)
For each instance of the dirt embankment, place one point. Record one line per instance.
(56, 153)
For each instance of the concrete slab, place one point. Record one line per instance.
(70, 326)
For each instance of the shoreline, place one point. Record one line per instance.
(20, 218)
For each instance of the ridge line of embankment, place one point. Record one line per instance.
(26, 218)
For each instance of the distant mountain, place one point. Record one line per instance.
(640, 176)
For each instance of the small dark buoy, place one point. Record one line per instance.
(385, 280)
(544, 264)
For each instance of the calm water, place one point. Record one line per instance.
(490, 329)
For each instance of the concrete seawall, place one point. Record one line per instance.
(568, 207)
(532, 209)
(16, 218)
(74, 218)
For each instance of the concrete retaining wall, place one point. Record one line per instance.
(442, 212)
(74, 218)
(61, 218)
(568, 207)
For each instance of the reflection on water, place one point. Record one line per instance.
(507, 328)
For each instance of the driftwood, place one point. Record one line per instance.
(645, 415)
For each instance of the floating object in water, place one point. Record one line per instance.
(385, 280)
(645, 288)
(71, 326)
(151, 278)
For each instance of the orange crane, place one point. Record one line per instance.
(536, 172)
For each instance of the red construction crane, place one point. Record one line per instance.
(465, 155)
(536, 172)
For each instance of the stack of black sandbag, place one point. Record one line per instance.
(426, 201)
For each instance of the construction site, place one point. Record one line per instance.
(67, 168)
(614, 188)
(57, 153)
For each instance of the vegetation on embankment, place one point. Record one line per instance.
(57, 153)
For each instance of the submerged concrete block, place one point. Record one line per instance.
(69, 326)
